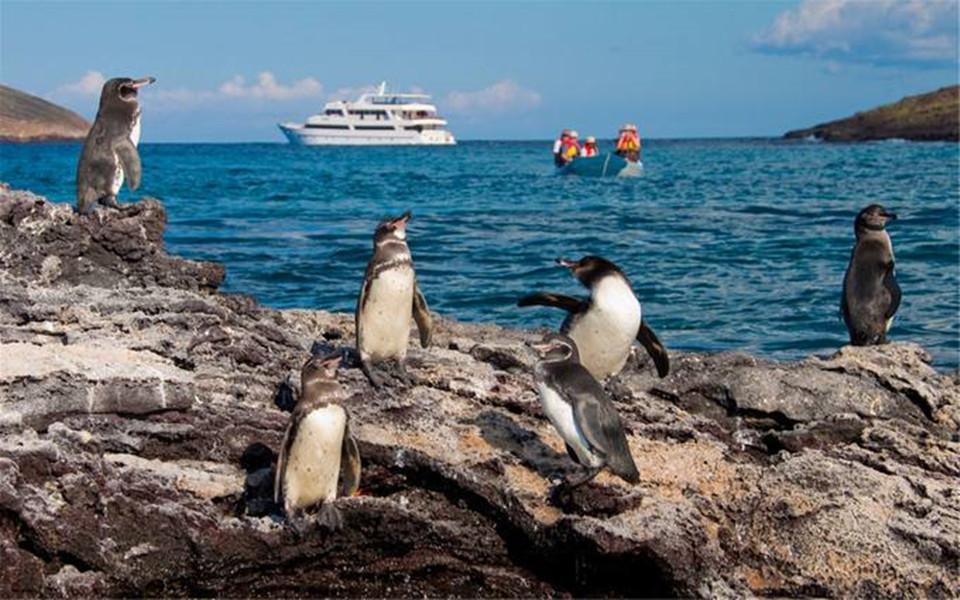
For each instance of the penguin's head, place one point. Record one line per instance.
(121, 92)
(872, 218)
(320, 367)
(557, 347)
(392, 229)
(590, 269)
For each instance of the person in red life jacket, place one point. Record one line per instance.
(590, 147)
(628, 143)
(558, 145)
(571, 149)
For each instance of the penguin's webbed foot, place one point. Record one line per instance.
(390, 374)
(375, 380)
(329, 517)
(110, 201)
(559, 494)
(400, 373)
(298, 524)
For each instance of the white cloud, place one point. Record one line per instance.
(268, 88)
(502, 96)
(875, 32)
(235, 90)
(89, 85)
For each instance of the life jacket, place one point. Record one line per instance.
(571, 149)
(590, 150)
(628, 141)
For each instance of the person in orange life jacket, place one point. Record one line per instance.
(558, 145)
(590, 147)
(628, 143)
(571, 149)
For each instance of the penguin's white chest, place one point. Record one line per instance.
(560, 414)
(312, 466)
(385, 315)
(605, 332)
(135, 131)
(118, 175)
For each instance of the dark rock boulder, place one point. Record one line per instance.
(140, 422)
(52, 244)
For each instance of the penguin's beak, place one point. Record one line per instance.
(566, 262)
(540, 348)
(401, 221)
(331, 363)
(139, 83)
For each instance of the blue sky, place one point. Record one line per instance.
(229, 71)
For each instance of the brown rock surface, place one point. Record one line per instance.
(27, 118)
(934, 116)
(130, 390)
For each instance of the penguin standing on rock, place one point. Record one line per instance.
(581, 412)
(604, 326)
(319, 459)
(871, 295)
(110, 150)
(388, 298)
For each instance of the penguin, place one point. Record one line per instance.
(319, 459)
(605, 325)
(581, 412)
(388, 298)
(110, 150)
(871, 295)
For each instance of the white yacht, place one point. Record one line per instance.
(374, 119)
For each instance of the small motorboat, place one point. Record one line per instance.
(603, 165)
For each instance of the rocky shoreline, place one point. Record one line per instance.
(930, 117)
(131, 390)
(26, 118)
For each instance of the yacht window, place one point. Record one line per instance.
(318, 126)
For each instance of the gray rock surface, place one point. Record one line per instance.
(130, 390)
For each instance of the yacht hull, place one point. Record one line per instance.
(306, 136)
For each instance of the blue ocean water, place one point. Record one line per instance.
(736, 244)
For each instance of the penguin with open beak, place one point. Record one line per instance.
(389, 297)
(604, 326)
(110, 151)
(581, 412)
(319, 459)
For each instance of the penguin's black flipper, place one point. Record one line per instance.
(288, 438)
(130, 161)
(598, 421)
(890, 283)
(654, 348)
(349, 464)
(421, 314)
(567, 303)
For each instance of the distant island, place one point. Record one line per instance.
(27, 118)
(927, 117)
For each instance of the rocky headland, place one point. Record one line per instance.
(934, 116)
(27, 118)
(133, 395)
